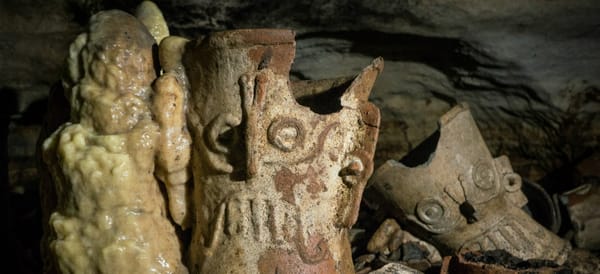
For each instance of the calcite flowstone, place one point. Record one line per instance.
(108, 214)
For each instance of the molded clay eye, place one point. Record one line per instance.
(483, 175)
(286, 133)
(431, 211)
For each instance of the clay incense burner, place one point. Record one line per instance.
(452, 192)
(276, 184)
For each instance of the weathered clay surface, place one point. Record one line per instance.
(108, 214)
(450, 190)
(497, 262)
(277, 185)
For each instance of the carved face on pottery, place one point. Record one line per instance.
(461, 197)
(280, 184)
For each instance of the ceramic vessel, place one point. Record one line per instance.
(451, 191)
(276, 184)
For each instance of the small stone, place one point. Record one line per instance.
(395, 268)
(583, 261)
(382, 236)
(395, 255)
(420, 264)
(361, 261)
(364, 270)
(434, 255)
(396, 240)
(413, 251)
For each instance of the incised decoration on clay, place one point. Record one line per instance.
(455, 194)
(277, 186)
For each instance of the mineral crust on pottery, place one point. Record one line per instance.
(451, 191)
(276, 184)
(107, 213)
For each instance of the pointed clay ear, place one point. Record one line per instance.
(219, 138)
(361, 87)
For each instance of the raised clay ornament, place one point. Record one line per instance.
(451, 192)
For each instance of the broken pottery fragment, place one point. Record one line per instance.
(497, 262)
(108, 214)
(277, 185)
(582, 206)
(541, 206)
(452, 193)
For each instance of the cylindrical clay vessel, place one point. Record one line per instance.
(276, 184)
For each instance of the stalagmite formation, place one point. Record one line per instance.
(110, 214)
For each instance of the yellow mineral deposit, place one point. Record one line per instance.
(110, 215)
(149, 14)
(174, 144)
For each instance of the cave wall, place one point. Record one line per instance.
(530, 70)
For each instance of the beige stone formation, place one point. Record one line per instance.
(174, 150)
(109, 215)
(452, 192)
(276, 184)
(151, 16)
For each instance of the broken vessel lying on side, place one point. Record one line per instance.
(452, 192)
